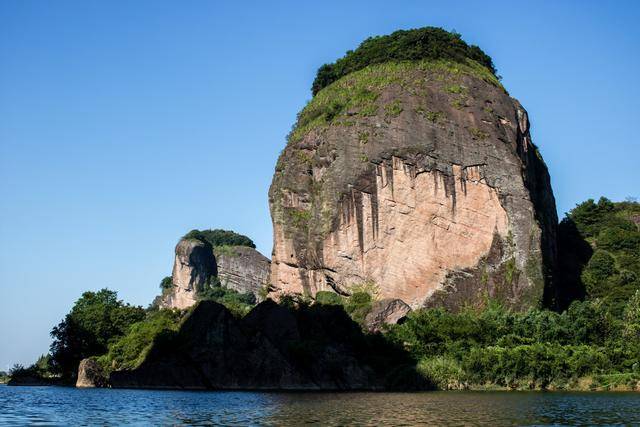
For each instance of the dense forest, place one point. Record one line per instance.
(589, 339)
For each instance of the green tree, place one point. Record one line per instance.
(238, 303)
(95, 320)
(167, 282)
(598, 272)
(128, 351)
(631, 326)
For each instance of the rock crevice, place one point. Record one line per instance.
(409, 200)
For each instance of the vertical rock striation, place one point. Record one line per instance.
(193, 268)
(420, 177)
(242, 269)
(198, 265)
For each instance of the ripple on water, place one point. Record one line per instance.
(64, 406)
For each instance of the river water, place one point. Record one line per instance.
(69, 406)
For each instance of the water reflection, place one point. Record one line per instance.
(56, 406)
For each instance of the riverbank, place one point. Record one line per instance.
(595, 384)
(599, 383)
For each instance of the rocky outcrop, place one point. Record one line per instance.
(384, 312)
(90, 375)
(420, 178)
(197, 265)
(272, 347)
(193, 268)
(242, 269)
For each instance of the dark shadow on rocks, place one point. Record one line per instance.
(274, 347)
(574, 253)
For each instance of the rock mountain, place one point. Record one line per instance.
(197, 264)
(411, 175)
(420, 179)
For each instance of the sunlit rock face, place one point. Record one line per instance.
(193, 267)
(434, 195)
(197, 265)
(242, 269)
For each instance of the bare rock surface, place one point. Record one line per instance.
(435, 194)
(242, 268)
(386, 311)
(90, 375)
(194, 266)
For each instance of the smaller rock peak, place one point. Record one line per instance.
(204, 259)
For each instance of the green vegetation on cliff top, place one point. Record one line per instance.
(428, 43)
(358, 92)
(220, 237)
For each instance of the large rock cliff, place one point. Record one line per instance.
(419, 177)
(193, 267)
(198, 265)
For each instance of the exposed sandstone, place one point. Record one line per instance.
(193, 268)
(438, 197)
(197, 264)
(242, 268)
(384, 312)
(90, 375)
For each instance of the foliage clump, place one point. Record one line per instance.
(220, 237)
(96, 320)
(166, 286)
(237, 303)
(535, 349)
(41, 370)
(428, 43)
(600, 246)
(129, 351)
(357, 305)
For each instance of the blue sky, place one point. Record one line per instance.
(126, 124)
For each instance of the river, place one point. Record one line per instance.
(70, 406)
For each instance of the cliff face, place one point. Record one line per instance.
(197, 264)
(242, 268)
(420, 178)
(193, 267)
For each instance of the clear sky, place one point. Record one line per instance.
(124, 124)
